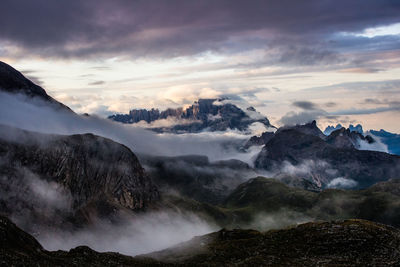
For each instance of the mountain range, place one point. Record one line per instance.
(53, 182)
(204, 114)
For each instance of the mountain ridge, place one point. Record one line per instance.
(204, 114)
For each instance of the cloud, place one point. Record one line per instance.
(364, 111)
(177, 28)
(293, 118)
(96, 83)
(342, 183)
(330, 104)
(145, 233)
(35, 115)
(375, 146)
(306, 105)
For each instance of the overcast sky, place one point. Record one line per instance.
(293, 60)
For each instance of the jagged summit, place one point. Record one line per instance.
(330, 128)
(210, 114)
(12, 81)
(308, 128)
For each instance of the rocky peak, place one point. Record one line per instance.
(12, 81)
(308, 128)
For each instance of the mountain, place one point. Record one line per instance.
(12, 81)
(323, 161)
(204, 114)
(59, 180)
(348, 243)
(308, 128)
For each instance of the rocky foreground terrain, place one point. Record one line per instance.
(337, 243)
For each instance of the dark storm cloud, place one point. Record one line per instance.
(306, 105)
(174, 28)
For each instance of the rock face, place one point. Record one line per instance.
(211, 114)
(77, 173)
(12, 81)
(322, 162)
(344, 243)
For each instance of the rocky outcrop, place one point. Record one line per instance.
(210, 114)
(12, 81)
(79, 174)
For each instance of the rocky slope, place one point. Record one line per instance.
(12, 81)
(344, 243)
(49, 178)
(210, 114)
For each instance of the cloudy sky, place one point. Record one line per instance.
(293, 60)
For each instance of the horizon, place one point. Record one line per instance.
(336, 61)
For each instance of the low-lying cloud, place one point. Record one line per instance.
(36, 115)
(342, 183)
(142, 234)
